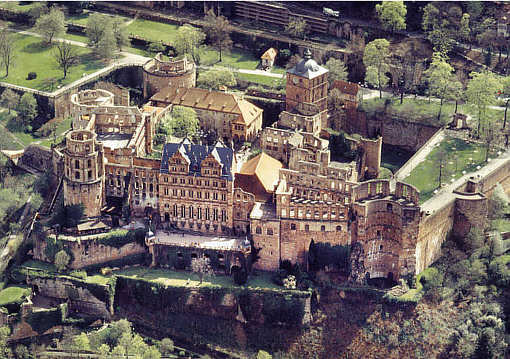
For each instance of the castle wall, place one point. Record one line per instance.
(37, 157)
(158, 75)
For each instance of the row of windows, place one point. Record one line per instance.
(77, 175)
(197, 212)
(196, 181)
(192, 194)
(77, 164)
(293, 227)
(316, 214)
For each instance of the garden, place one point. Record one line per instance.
(457, 158)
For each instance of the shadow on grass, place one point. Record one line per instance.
(90, 61)
(37, 47)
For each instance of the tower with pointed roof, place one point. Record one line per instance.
(307, 83)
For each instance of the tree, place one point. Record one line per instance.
(188, 41)
(156, 47)
(37, 9)
(506, 91)
(297, 27)
(262, 354)
(488, 137)
(182, 122)
(126, 343)
(5, 351)
(61, 261)
(51, 25)
(116, 330)
(392, 15)
(498, 203)
(66, 56)
(9, 99)
(119, 33)
(442, 81)
(22, 352)
(107, 44)
(464, 33)
(218, 31)
(214, 79)
(151, 353)
(375, 59)
(337, 70)
(167, 346)
(442, 159)
(6, 50)
(439, 25)
(104, 351)
(202, 267)
(27, 108)
(96, 25)
(293, 61)
(80, 342)
(481, 92)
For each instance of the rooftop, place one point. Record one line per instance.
(308, 67)
(200, 241)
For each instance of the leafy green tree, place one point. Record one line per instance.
(167, 346)
(9, 99)
(107, 44)
(297, 27)
(337, 70)
(498, 203)
(7, 54)
(151, 353)
(481, 92)
(218, 31)
(188, 41)
(438, 27)
(392, 15)
(442, 80)
(68, 216)
(262, 354)
(61, 262)
(119, 33)
(215, 79)
(182, 122)
(37, 10)
(51, 25)
(376, 59)
(126, 343)
(66, 56)
(464, 33)
(104, 351)
(27, 108)
(5, 351)
(80, 342)
(116, 330)
(96, 24)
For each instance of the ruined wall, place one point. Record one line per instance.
(37, 157)
(120, 94)
(158, 75)
(397, 132)
(470, 211)
(266, 238)
(80, 298)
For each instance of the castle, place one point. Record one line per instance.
(203, 201)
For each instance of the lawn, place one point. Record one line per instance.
(13, 294)
(83, 18)
(173, 278)
(153, 31)
(260, 79)
(413, 110)
(15, 6)
(460, 156)
(34, 56)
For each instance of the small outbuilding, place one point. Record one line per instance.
(268, 57)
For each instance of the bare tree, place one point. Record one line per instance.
(218, 31)
(202, 267)
(66, 56)
(442, 159)
(6, 50)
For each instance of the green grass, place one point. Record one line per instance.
(75, 37)
(173, 278)
(83, 18)
(153, 31)
(34, 56)
(425, 175)
(13, 294)
(503, 225)
(413, 110)
(40, 265)
(260, 79)
(15, 6)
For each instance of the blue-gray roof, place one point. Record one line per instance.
(195, 154)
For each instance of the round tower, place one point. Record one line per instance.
(84, 172)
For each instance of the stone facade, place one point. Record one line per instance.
(158, 74)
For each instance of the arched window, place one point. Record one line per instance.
(323, 228)
(258, 230)
(338, 228)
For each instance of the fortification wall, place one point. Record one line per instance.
(37, 157)
(80, 298)
(434, 229)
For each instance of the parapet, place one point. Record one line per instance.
(158, 66)
(93, 98)
(380, 188)
(81, 142)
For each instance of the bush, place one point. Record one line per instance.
(106, 271)
(79, 274)
(240, 276)
(31, 75)
(431, 278)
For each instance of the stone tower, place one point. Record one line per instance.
(307, 83)
(84, 172)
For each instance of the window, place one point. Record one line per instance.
(307, 228)
(323, 228)
(258, 230)
(338, 228)
(215, 214)
(293, 226)
(269, 231)
(89, 174)
(89, 163)
(77, 164)
(199, 213)
(389, 207)
(77, 175)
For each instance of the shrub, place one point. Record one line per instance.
(31, 75)
(431, 278)
(79, 274)
(106, 271)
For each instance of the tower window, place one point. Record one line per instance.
(77, 175)
(77, 164)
